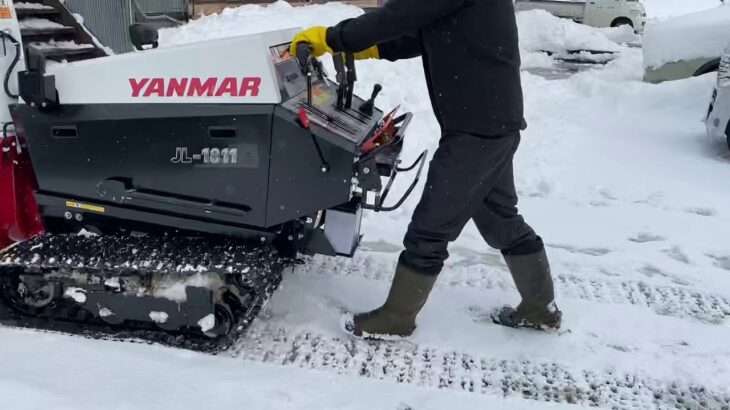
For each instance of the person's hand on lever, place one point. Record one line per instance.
(317, 39)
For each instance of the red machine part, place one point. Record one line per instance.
(19, 215)
(384, 135)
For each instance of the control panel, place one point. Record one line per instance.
(323, 101)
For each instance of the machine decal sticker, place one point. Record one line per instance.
(195, 87)
(208, 156)
(86, 207)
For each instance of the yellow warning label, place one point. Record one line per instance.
(86, 207)
(5, 12)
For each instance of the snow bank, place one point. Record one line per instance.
(697, 35)
(540, 30)
(657, 10)
(251, 19)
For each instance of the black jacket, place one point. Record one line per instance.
(470, 55)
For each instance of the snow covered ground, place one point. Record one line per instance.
(616, 175)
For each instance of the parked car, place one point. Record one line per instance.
(718, 116)
(597, 13)
(685, 46)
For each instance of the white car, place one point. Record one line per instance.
(685, 46)
(596, 13)
(718, 116)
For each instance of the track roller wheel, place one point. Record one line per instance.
(224, 320)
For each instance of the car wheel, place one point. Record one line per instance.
(622, 21)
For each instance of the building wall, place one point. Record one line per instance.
(109, 20)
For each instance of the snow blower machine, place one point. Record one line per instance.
(159, 195)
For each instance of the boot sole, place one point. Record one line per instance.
(347, 325)
(525, 325)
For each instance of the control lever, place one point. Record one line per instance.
(346, 77)
(304, 52)
(351, 78)
(304, 56)
(368, 106)
(303, 120)
(341, 77)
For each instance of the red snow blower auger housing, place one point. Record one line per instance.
(19, 216)
(175, 184)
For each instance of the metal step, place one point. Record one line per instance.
(70, 30)
(47, 33)
(25, 13)
(70, 54)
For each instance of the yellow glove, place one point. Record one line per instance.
(371, 52)
(317, 39)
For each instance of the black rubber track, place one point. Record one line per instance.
(256, 266)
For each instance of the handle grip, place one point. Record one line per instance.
(304, 51)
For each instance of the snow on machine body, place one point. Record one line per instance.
(200, 171)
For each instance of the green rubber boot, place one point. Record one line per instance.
(397, 317)
(537, 310)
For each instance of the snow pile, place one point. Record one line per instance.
(540, 30)
(698, 35)
(251, 19)
(663, 9)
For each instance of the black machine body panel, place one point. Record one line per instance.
(208, 161)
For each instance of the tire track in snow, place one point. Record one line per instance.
(676, 301)
(401, 362)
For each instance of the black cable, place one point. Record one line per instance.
(5, 145)
(6, 83)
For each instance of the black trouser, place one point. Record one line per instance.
(470, 177)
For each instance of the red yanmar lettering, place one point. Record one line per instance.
(228, 86)
(177, 87)
(250, 84)
(195, 87)
(156, 87)
(199, 89)
(137, 85)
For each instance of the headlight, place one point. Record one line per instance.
(723, 74)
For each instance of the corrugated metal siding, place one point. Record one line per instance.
(108, 20)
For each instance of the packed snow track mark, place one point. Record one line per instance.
(676, 301)
(402, 362)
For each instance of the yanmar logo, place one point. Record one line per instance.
(195, 87)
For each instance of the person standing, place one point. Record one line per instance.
(471, 59)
